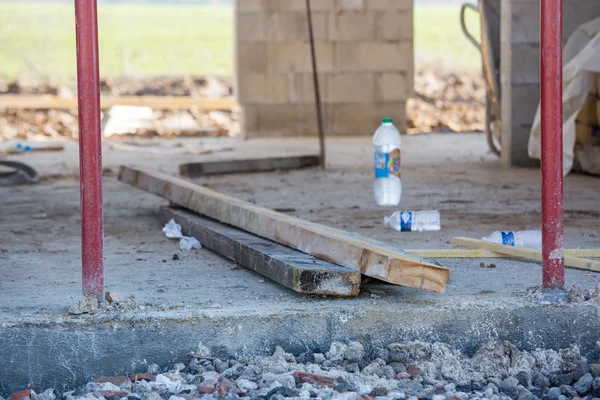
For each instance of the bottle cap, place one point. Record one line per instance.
(386, 120)
(386, 221)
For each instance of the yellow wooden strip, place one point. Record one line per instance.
(329, 244)
(44, 102)
(481, 253)
(530, 254)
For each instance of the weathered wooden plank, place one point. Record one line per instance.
(248, 165)
(481, 253)
(43, 102)
(530, 254)
(329, 244)
(298, 271)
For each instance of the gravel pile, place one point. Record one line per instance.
(413, 370)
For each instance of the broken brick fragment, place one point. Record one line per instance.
(206, 389)
(314, 379)
(20, 395)
(415, 371)
(224, 386)
(142, 377)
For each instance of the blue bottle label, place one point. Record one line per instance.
(387, 164)
(406, 221)
(508, 238)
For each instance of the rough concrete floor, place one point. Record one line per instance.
(235, 310)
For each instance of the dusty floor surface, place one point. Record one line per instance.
(40, 246)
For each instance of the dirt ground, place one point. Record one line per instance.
(444, 102)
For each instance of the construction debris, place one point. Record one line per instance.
(405, 370)
(446, 102)
(321, 241)
(248, 165)
(529, 254)
(298, 271)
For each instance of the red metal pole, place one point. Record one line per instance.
(90, 148)
(553, 275)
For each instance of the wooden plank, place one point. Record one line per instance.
(481, 253)
(300, 272)
(530, 254)
(248, 165)
(329, 244)
(44, 102)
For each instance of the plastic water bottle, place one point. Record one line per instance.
(387, 186)
(414, 221)
(525, 239)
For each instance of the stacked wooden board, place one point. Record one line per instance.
(332, 245)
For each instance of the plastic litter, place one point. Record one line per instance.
(187, 243)
(411, 221)
(172, 230)
(523, 239)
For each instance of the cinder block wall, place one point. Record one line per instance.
(365, 61)
(520, 68)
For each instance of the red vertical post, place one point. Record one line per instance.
(553, 275)
(90, 148)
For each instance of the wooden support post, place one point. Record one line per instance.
(329, 244)
(300, 272)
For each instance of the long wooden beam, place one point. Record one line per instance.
(298, 271)
(248, 165)
(46, 102)
(481, 253)
(530, 254)
(326, 243)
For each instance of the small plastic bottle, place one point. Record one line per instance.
(524, 239)
(387, 187)
(414, 221)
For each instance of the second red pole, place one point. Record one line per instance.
(90, 148)
(553, 275)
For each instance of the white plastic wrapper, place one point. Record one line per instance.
(172, 230)
(187, 243)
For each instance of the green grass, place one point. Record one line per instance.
(438, 37)
(37, 41)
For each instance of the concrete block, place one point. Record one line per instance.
(293, 26)
(303, 89)
(394, 25)
(391, 86)
(363, 119)
(525, 64)
(249, 119)
(352, 26)
(300, 5)
(351, 88)
(342, 5)
(295, 57)
(287, 120)
(389, 5)
(249, 27)
(251, 57)
(374, 56)
(256, 88)
(525, 101)
(250, 5)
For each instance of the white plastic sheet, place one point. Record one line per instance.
(581, 59)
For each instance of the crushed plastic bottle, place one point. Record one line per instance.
(414, 221)
(524, 239)
(387, 187)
